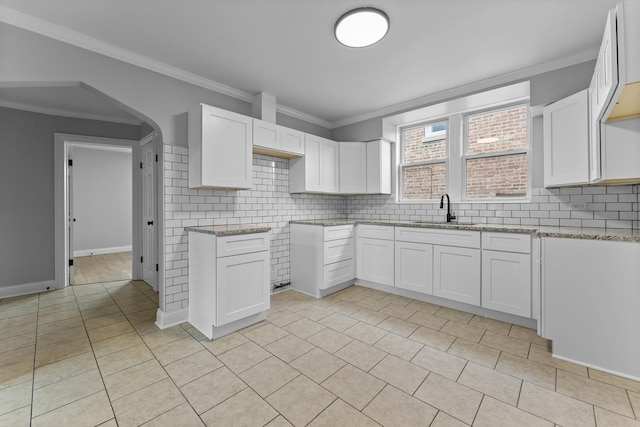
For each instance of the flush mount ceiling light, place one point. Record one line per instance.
(362, 27)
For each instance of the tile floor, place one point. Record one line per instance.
(91, 355)
(102, 268)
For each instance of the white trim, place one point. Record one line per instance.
(102, 147)
(166, 320)
(102, 251)
(303, 116)
(69, 113)
(27, 288)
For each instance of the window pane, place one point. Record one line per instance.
(496, 131)
(416, 148)
(495, 177)
(426, 182)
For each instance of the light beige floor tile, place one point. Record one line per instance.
(266, 334)
(318, 364)
(398, 326)
(284, 317)
(304, 328)
(105, 332)
(366, 333)
(314, 313)
(455, 315)
(542, 354)
(57, 316)
(555, 407)
(62, 335)
(424, 307)
(372, 303)
(361, 355)
(455, 399)
(606, 418)
(482, 355)
(106, 320)
(88, 411)
(243, 357)
(118, 361)
(528, 370)
(433, 338)
(340, 413)
(338, 321)
(369, 316)
(192, 367)
(527, 334)
(279, 421)
(177, 350)
(442, 363)
(115, 344)
(16, 418)
(137, 307)
(399, 346)
(299, 305)
(289, 348)
(393, 407)
(58, 326)
(492, 325)
(55, 301)
(63, 369)
(147, 403)
(399, 373)
(268, 376)
(635, 402)
(354, 386)
(19, 325)
(15, 397)
(106, 308)
(493, 413)
(399, 311)
(224, 344)
(504, 343)
(470, 333)
(329, 340)
(182, 416)
(595, 392)
(493, 383)
(17, 312)
(245, 408)
(397, 300)
(57, 351)
(165, 336)
(211, 389)
(18, 341)
(56, 308)
(111, 423)
(301, 400)
(446, 420)
(53, 396)
(16, 366)
(134, 378)
(426, 319)
(614, 380)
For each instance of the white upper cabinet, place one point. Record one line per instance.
(275, 140)
(566, 141)
(318, 171)
(353, 167)
(378, 167)
(220, 148)
(605, 75)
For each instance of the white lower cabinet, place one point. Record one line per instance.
(456, 274)
(375, 254)
(414, 267)
(506, 282)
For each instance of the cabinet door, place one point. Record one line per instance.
(353, 167)
(292, 140)
(456, 274)
(313, 163)
(243, 286)
(595, 170)
(378, 167)
(375, 260)
(330, 164)
(566, 141)
(266, 135)
(506, 282)
(605, 75)
(414, 267)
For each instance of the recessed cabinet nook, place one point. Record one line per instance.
(593, 137)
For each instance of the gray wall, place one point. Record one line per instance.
(26, 186)
(102, 194)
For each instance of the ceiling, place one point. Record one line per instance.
(286, 48)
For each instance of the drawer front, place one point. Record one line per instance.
(242, 244)
(338, 250)
(338, 232)
(439, 236)
(507, 242)
(338, 272)
(384, 232)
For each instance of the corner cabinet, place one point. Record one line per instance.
(229, 281)
(353, 167)
(318, 170)
(220, 148)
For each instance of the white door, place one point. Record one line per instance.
(149, 249)
(70, 218)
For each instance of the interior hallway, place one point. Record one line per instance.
(102, 268)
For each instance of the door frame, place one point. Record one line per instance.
(62, 142)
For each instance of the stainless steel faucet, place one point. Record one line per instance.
(450, 216)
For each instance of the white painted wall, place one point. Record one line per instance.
(102, 200)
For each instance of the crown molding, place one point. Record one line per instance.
(69, 113)
(303, 116)
(501, 79)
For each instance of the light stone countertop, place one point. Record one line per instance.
(229, 230)
(615, 234)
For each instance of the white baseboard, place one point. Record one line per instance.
(102, 251)
(27, 288)
(166, 320)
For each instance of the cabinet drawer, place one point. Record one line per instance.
(338, 250)
(338, 272)
(439, 236)
(507, 242)
(242, 244)
(338, 232)
(375, 231)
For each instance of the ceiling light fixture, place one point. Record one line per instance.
(362, 27)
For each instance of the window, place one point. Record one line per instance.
(424, 161)
(496, 154)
